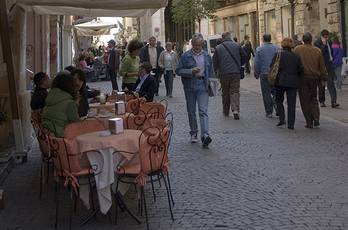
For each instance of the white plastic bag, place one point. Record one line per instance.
(344, 67)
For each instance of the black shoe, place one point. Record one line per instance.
(316, 123)
(281, 123)
(335, 105)
(322, 104)
(156, 94)
(206, 141)
(290, 127)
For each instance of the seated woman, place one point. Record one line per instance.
(85, 68)
(80, 78)
(61, 105)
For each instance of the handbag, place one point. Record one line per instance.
(241, 68)
(272, 75)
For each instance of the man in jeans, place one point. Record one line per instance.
(229, 72)
(263, 59)
(195, 68)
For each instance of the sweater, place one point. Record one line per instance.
(129, 65)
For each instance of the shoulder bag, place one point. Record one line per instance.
(272, 75)
(241, 68)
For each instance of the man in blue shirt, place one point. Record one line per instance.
(263, 59)
(195, 68)
(146, 84)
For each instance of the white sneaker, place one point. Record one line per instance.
(193, 138)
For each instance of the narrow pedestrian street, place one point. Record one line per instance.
(254, 175)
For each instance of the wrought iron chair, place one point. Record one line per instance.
(111, 97)
(87, 126)
(68, 170)
(153, 163)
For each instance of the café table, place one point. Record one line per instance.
(103, 155)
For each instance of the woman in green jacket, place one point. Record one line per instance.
(61, 107)
(130, 65)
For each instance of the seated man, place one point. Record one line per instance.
(146, 84)
(42, 82)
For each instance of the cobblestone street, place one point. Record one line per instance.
(254, 175)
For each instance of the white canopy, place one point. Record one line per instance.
(94, 28)
(92, 8)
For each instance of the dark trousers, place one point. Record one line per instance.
(129, 86)
(230, 85)
(330, 84)
(308, 99)
(113, 77)
(156, 76)
(291, 100)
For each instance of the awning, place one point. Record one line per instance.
(92, 8)
(94, 28)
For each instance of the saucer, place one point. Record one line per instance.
(105, 115)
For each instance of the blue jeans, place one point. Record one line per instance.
(168, 79)
(339, 77)
(92, 73)
(268, 94)
(200, 95)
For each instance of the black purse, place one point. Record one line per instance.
(241, 68)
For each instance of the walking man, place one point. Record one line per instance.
(150, 53)
(314, 68)
(229, 72)
(195, 68)
(263, 59)
(113, 63)
(325, 45)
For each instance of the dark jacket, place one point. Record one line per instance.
(289, 70)
(249, 51)
(148, 88)
(144, 55)
(224, 62)
(114, 60)
(39, 98)
(324, 49)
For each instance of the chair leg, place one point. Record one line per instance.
(170, 189)
(116, 199)
(153, 190)
(48, 169)
(90, 187)
(170, 206)
(41, 178)
(56, 198)
(71, 195)
(143, 197)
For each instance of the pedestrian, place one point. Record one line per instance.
(314, 67)
(297, 42)
(150, 53)
(187, 46)
(87, 69)
(263, 58)
(130, 65)
(195, 68)
(337, 57)
(229, 72)
(246, 38)
(288, 80)
(168, 61)
(235, 39)
(249, 51)
(113, 63)
(325, 45)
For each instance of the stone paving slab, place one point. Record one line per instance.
(254, 175)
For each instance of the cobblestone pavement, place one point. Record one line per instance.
(254, 175)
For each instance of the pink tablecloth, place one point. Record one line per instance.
(100, 153)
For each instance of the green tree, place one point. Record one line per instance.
(292, 6)
(190, 11)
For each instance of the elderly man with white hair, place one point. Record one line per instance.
(195, 68)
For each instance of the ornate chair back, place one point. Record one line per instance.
(153, 149)
(87, 126)
(134, 104)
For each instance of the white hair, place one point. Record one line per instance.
(196, 37)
